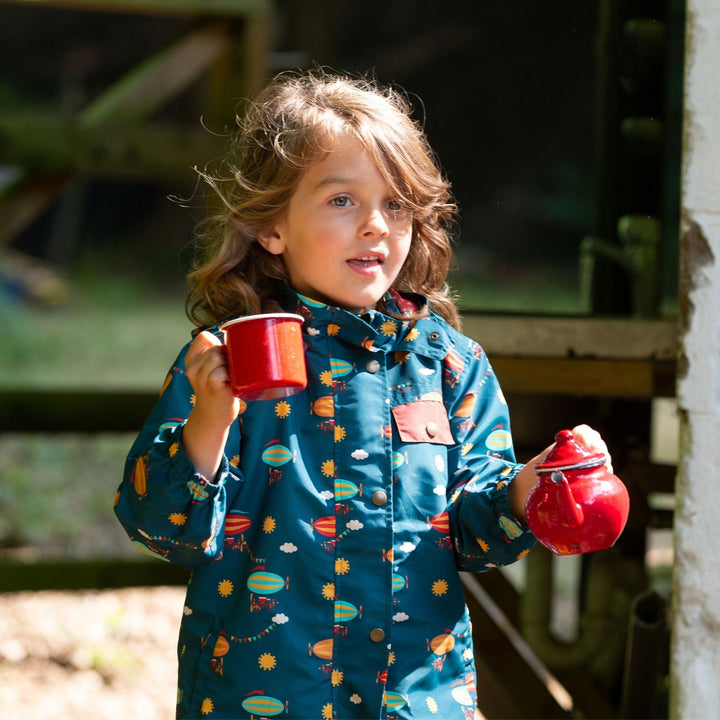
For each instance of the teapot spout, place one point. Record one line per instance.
(571, 513)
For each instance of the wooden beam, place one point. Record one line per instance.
(68, 574)
(66, 411)
(214, 8)
(151, 84)
(573, 336)
(587, 377)
(48, 145)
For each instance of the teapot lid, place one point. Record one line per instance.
(568, 454)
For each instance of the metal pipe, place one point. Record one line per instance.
(646, 645)
(601, 639)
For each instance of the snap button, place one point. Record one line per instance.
(432, 429)
(379, 498)
(377, 634)
(434, 336)
(372, 366)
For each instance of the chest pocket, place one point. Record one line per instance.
(423, 421)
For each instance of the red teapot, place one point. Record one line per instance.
(578, 505)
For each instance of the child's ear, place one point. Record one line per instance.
(271, 241)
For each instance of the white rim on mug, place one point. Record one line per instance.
(263, 316)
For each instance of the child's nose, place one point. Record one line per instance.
(375, 224)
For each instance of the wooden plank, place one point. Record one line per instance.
(573, 336)
(495, 637)
(606, 378)
(151, 84)
(68, 574)
(49, 145)
(68, 411)
(49, 410)
(215, 8)
(23, 201)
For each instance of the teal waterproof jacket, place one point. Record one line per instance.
(325, 554)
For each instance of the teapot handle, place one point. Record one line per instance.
(571, 513)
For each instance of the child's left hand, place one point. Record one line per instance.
(591, 439)
(526, 479)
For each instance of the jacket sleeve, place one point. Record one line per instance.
(167, 508)
(481, 466)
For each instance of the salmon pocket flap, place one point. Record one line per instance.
(423, 421)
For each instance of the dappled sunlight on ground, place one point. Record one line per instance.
(107, 655)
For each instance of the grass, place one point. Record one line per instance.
(112, 333)
(56, 491)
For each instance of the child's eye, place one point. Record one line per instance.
(396, 206)
(340, 201)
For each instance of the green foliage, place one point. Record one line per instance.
(56, 495)
(56, 492)
(113, 333)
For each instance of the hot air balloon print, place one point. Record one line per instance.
(324, 406)
(277, 455)
(442, 644)
(453, 365)
(345, 490)
(394, 701)
(324, 525)
(466, 406)
(498, 441)
(222, 646)
(461, 696)
(397, 459)
(441, 522)
(139, 477)
(340, 368)
(398, 582)
(510, 527)
(322, 649)
(346, 611)
(263, 705)
(236, 523)
(454, 361)
(263, 582)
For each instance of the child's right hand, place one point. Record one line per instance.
(207, 371)
(215, 407)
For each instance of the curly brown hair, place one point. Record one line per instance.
(293, 123)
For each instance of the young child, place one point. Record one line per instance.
(325, 530)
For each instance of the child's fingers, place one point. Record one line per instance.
(204, 341)
(593, 440)
(206, 363)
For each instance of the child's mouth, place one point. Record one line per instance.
(365, 262)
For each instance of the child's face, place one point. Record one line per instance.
(344, 237)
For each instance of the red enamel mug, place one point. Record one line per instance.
(265, 355)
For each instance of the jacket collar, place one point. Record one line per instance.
(428, 335)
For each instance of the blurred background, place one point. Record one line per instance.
(558, 125)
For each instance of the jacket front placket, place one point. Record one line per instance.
(359, 352)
